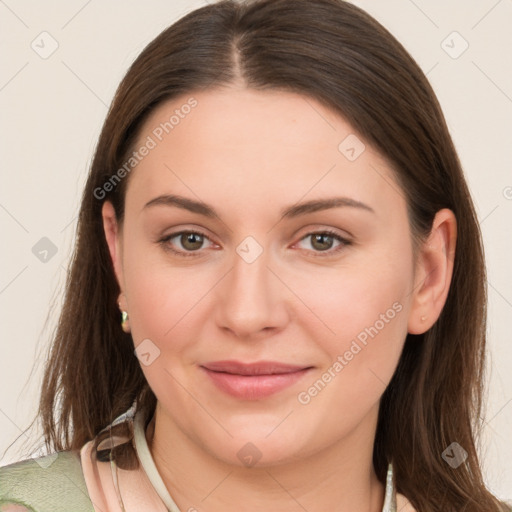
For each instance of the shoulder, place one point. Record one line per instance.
(53, 483)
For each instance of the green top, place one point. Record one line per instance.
(53, 483)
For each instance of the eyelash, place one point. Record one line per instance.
(322, 254)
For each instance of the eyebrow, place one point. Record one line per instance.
(295, 210)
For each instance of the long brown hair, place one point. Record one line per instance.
(334, 52)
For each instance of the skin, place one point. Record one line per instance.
(249, 155)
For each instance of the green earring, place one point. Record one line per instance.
(124, 321)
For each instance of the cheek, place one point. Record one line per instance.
(363, 312)
(353, 300)
(165, 300)
(359, 361)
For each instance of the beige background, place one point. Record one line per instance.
(53, 108)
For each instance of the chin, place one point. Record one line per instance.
(254, 447)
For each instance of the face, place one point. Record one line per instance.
(266, 264)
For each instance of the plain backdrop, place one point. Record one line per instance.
(53, 105)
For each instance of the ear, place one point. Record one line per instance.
(434, 269)
(113, 237)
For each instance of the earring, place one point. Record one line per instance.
(124, 321)
(125, 325)
(423, 318)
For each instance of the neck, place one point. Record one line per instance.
(340, 478)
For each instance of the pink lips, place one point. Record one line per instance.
(254, 380)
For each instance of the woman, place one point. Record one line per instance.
(277, 222)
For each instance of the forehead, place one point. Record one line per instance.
(230, 145)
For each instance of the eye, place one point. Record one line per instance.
(323, 242)
(187, 242)
(190, 243)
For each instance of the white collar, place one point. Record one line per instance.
(148, 463)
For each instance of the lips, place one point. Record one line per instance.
(253, 381)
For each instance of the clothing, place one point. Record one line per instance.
(92, 481)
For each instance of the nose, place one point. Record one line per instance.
(251, 301)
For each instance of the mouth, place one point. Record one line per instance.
(253, 381)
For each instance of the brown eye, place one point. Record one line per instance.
(327, 242)
(322, 241)
(186, 243)
(191, 241)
